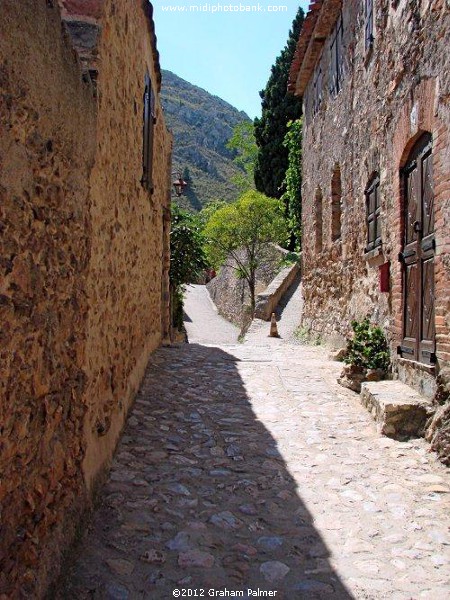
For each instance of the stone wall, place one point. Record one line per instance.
(84, 268)
(268, 300)
(47, 148)
(126, 278)
(391, 93)
(231, 294)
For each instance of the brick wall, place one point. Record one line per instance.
(83, 265)
(391, 93)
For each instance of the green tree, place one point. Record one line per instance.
(238, 233)
(208, 210)
(187, 258)
(243, 142)
(292, 196)
(278, 108)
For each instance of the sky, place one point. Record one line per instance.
(228, 53)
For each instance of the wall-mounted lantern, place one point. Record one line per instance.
(179, 184)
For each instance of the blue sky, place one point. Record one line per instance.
(227, 53)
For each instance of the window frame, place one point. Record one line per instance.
(373, 214)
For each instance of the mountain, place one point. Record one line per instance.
(201, 124)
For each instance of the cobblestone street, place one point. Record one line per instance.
(246, 467)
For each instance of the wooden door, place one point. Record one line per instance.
(418, 256)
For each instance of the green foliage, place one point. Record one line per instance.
(187, 255)
(368, 348)
(292, 196)
(247, 224)
(208, 210)
(305, 336)
(237, 234)
(278, 108)
(177, 308)
(244, 144)
(290, 259)
(302, 334)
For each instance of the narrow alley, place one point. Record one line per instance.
(245, 467)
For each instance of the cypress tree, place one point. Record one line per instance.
(278, 108)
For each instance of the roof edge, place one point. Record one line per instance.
(148, 10)
(319, 22)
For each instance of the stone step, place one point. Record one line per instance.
(400, 411)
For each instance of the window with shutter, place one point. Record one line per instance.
(368, 14)
(373, 205)
(149, 119)
(318, 79)
(336, 58)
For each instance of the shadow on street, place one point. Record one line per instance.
(198, 497)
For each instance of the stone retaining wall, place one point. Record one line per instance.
(267, 301)
(231, 295)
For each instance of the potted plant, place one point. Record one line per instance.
(367, 355)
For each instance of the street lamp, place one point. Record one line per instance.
(179, 184)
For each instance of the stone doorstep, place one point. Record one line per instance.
(400, 411)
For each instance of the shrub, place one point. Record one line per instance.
(368, 348)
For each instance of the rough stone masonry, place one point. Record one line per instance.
(374, 77)
(83, 262)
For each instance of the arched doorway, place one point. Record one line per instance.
(419, 246)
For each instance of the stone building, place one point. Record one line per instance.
(375, 80)
(85, 173)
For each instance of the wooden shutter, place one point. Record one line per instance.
(148, 134)
(339, 53)
(317, 89)
(336, 58)
(333, 68)
(368, 34)
(373, 208)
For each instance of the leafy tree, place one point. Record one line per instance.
(243, 142)
(187, 257)
(278, 108)
(292, 196)
(208, 210)
(238, 233)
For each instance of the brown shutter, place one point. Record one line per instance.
(373, 207)
(368, 23)
(333, 68)
(148, 135)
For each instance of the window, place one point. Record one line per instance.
(318, 79)
(368, 16)
(148, 133)
(336, 207)
(373, 214)
(318, 220)
(336, 62)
